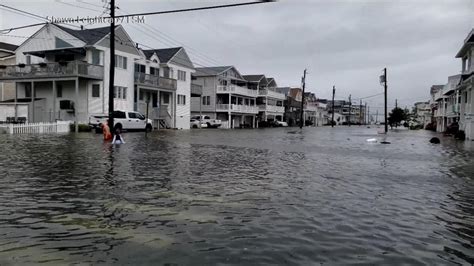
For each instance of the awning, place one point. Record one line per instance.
(68, 50)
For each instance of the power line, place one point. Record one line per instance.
(8, 30)
(78, 6)
(24, 12)
(195, 9)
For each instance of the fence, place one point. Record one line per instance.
(31, 128)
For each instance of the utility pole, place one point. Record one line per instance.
(112, 64)
(368, 114)
(365, 113)
(302, 100)
(385, 96)
(396, 103)
(360, 111)
(350, 110)
(333, 93)
(376, 116)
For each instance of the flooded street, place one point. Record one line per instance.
(215, 197)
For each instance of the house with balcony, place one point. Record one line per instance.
(7, 57)
(225, 96)
(465, 87)
(292, 104)
(163, 83)
(269, 101)
(59, 74)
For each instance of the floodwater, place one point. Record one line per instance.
(277, 196)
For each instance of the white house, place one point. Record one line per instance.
(172, 104)
(270, 102)
(465, 87)
(59, 73)
(225, 96)
(62, 74)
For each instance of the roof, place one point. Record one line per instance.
(89, 36)
(210, 71)
(436, 88)
(8, 46)
(164, 55)
(253, 78)
(468, 42)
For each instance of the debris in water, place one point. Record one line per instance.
(371, 140)
(385, 142)
(435, 140)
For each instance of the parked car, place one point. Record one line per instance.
(123, 120)
(195, 124)
(205, 119)
(281, 123)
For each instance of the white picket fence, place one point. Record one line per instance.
(43, 127)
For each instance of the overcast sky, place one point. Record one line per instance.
(342, 43)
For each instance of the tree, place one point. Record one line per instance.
(396, 116)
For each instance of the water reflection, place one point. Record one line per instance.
(271, 196)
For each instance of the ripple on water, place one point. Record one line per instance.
(270, 196)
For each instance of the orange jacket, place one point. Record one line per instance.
(106, 131)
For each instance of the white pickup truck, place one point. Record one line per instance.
(205, 119)
(124, 120)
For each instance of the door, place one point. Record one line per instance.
(134, 121)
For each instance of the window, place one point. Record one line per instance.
(120, 61)
(206, 117)
(181, 99)
(132, 115)
(181, 75)
(120, 92)
(154, 71)
(465, 97)
(59, 91)
(165, 99)
(119, 114)
(206, 100)
(27, 91)
(96, 90)
(28, 59)
(139, 68)
(95, 57)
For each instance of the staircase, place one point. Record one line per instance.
(164, 124)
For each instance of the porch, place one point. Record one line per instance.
(158, 105)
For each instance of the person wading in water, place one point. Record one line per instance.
(117, 137)
(106, 131)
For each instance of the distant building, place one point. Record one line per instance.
(422, 112)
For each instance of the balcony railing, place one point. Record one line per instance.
(272, 94)
(51, 70)
(237, 108)
(155, 81)
(271, 108)
(236, 90)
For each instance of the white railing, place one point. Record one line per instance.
(271, 108)
(237, 108)
(38, 128)
(237, 90)
(272, 94)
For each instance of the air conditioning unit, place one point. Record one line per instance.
(66, 105)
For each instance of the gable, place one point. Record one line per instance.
(181, 58)
(123, 42)
(232, 72)
(45, 39)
